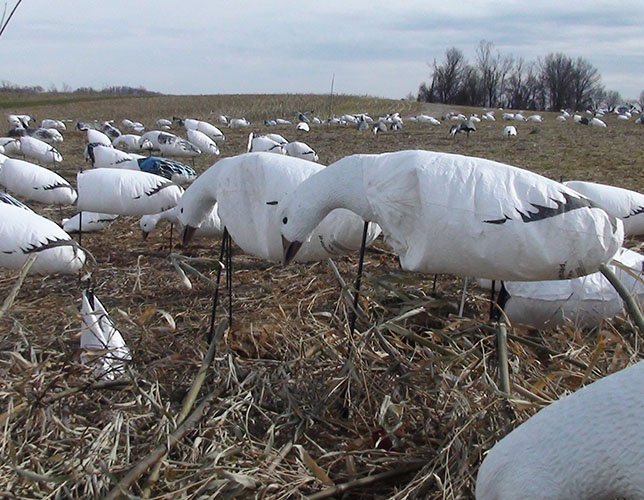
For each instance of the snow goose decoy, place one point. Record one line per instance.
(10, 200)
(623, 203)
(88, 222)
(465, 127)
(258, 182)
(301, 150)
(446, 213)
(204, 127)
(33, 182)
(509, 131)
(23, 233)
(38, 150)
(238, 123)
(102, 344)
(264, 143)
(211, 227)
(173, 170)
(589, 444)
(202, 141)
(125, 192)
(132, 143)
(584, 301)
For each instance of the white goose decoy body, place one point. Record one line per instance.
(446, 213)
(583, 301)
(588, 445)
(23, 233)
(622, 203)
(33, 182)
(248, 190)
(125, 192)
(88, 222)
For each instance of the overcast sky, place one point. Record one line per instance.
(373, 47)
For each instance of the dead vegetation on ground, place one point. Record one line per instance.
(292, 406)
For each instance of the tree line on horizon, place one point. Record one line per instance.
(8, 87)
(553, 82)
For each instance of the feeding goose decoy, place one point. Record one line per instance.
(446, 213)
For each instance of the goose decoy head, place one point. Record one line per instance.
(290, 250)
(188, 233)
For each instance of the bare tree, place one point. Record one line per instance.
(556, 77)
(493, 70)
(446, 78)
(612, 99)
(585, 84)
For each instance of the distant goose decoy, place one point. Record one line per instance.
(132, 143)
(446, 213)
(623, 203)
(238, 123)
(110, 130)
(171, 145)
(301, 150)
(97, 137)
(464, 127)
(263, 143)
(125, 192)
(587, 445)
(88, 222)
(173, 170)
(509, 131)
(303, 126)
(23, 233)
(202, 141)
(204, 127)
(33, 182)
(11, 145)
(35, 149)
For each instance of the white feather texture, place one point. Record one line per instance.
(588, 445)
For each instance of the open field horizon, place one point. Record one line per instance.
(278, 428)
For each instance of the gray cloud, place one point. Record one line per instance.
(373, 47)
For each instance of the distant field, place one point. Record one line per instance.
(278, 423)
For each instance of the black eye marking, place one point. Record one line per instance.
(271, 202)
(181, 210)
(284, 220)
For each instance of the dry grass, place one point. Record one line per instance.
(418, 404)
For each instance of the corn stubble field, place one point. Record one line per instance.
(277, 416)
